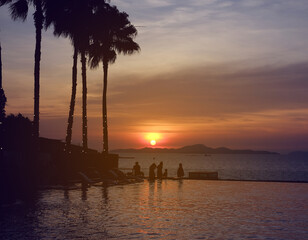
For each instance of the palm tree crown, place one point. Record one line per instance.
(114, 34)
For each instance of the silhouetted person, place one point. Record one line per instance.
(165, 175)
(180, 172)
(152, 172)
(84, 189)
(136, 169)
(160, 170)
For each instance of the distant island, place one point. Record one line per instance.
(192, 149)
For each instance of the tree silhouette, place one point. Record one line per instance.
(17, 133)
(19, 10)
(64, 25)
(2, 109)
(72, 18)
(112, 34)
(2, 95)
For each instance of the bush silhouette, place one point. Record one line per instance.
(17, 133)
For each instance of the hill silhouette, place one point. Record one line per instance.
(192, 149)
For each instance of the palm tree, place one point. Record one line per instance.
(2, 95)
(19, 10)
(63, 23)
(71, 19)
(114, 35)
(2, 109)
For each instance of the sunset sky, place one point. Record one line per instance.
(222, 73)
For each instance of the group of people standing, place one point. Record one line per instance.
(160, 174)
(159, 167)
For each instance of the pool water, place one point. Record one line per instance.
(167, 209)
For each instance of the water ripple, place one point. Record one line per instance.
(167, 209)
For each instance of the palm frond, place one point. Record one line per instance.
(127, 47)
(19, 10)
(113, 33)
(3, 2)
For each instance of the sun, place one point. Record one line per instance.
(152, 138)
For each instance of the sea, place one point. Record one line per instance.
(260, 167)
(268, 200)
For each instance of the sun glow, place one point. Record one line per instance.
(153, 138)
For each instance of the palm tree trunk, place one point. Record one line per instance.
(0, 67)
(84, 103)
(2, 109)
(38, 21)
(68, 139)
(2, 98)
(104, 104)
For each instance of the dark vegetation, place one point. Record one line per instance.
(17, 158)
